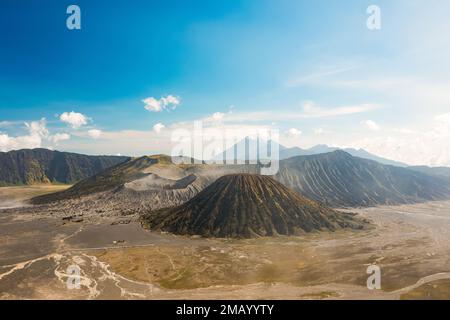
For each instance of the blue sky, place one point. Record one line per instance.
(311, 69)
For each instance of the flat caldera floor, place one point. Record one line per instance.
(11, 197)
(117, 259)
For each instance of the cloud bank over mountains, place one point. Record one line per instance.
(427, 146)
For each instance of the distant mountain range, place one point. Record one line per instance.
(247, 149)
(286, 153)
(341, 180)
(246, 206)
(443, 172)
(336, 179)
(25, 167)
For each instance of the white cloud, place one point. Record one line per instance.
(443, 117)
(293, 132)
(155, 105)
(4, 142)
(151, 104)
(74, 119)
(171, 101)
(158, 127)
(404, 131)
(405, 91)
(411, 90)
(319, 76)
(59, 137)
(37, 131)
(38, 128)
(429, 146)
(313, 111)
(218, 116)
(310, 111)
(95, 133)
(371, 125)
(4, 124)
(320, 131)
(140, 142)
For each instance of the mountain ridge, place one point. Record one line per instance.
(241, 151)
(343, 180)
(37, 166)
(337, 179)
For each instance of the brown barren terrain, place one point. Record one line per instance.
(119, 259)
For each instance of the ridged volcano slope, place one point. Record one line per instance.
(245, 206)
(340, 180)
